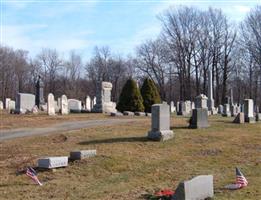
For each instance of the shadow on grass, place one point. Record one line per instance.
(14, 185)
(115, 140)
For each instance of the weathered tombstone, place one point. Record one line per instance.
(79, 155)
(249, 110)
(64, 105)
(104, 103)
(258, 117)
(201, 101)
(199, 118)
(240, 118)
(24, 102)
(220, 109)
(160, 123)
(53, 162)
(140, 113)
(39, 99)
(226, 112)
(178, 107)
(128, 113)
(11, 105)
(116, 114)
(234, 110)
(7, 103)
(198, 188)
(192, 105)
(1, 105)
(187, 108)
(88, 103)
(172, 107)
(51, 104)
(74, 105)
(210, 100)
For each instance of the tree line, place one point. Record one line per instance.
(191, 42)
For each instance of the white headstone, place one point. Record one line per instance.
(88, 103)
(249, 110)
(201, 101)
(7, 103)
(53, 162)
(64, 105)
(74, 105)
(79, 155)
(1, 105)
(51, 105)
(25, 102)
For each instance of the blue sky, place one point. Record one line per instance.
(83, 24)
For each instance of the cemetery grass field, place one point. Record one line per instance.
(128, 166)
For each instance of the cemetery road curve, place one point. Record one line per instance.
(64, 126)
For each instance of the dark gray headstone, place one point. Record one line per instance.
(39, 96)
(199, 118)
(198, 188)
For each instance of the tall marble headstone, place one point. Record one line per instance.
(39, 97)
(103, 101)
(160, 123)
(172, 107)
(64, 105)
(51, 104)
(211, 105)
(249, 110)
(226, 111)
(7, 103)
(88, 103)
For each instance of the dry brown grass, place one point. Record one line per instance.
(128, 165)
(8, 121)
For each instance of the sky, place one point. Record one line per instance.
(81, 25)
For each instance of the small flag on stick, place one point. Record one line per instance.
(33, 175)
(240, 181)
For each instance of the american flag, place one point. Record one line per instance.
(33, 175)
(240, 179)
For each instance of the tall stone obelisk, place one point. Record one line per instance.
(211, 103)
(39, 99)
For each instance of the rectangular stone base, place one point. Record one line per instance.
(160, 135)
(79, 155)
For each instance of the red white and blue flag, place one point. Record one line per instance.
(240, 181)
(33, 175)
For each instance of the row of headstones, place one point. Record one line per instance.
(26, 103)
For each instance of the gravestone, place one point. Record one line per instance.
(88, 103)
(74, 105)
(64, 105)
(128, 113)
(104, 103)
(220, 109)
(258, 117)
(140, 113)
(210, 100)
(116, 114)
(79, 155)
(1, 105)
(226, 111)
(192, 105)
(227, 100)
(178, 107)
(35, 109)
(39, 99)
(249, 110)
(234, 110)
(160, 123)
(201, 101)
(7, 103)
(198, 188)
(51, 104)
(172, 107)
(53, 162)
(199, 118)
(240, 118)
(11, 105)
(24, 102)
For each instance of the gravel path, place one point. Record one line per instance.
(64, 126)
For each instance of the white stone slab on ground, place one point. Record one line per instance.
(53, 162)
(79, 155)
